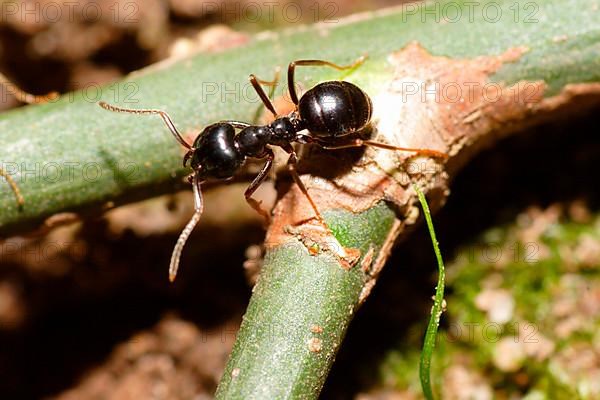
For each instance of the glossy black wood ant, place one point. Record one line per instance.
(328, 111)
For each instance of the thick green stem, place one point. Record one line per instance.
(291, 330)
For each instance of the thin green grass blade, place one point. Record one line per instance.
(437, 309)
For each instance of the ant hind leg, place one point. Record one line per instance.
(361, 143)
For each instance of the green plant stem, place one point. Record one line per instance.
(438, 304)
(290, 329)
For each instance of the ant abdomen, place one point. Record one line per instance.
(335, 108)
(215, 154)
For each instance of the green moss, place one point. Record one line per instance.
(541, 276)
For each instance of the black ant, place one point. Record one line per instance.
(327, 111)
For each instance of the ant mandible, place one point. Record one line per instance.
(328, 111)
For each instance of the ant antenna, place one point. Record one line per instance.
(185, 234)
(162, 114)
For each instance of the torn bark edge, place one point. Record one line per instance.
(460, 127)
(372, 270)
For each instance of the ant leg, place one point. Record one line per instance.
(292, 161)
(361, 143)
(423, 152)
(314, 63)
(185, 234)
(272, 84)
(25, 97)
(262, 175)
(162, 114)
(13, 186)
(261, 93)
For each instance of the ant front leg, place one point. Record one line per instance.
(292, 161)
(315, 63)
(258, 180)
(185, 234)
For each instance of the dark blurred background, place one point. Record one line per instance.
(50, 45)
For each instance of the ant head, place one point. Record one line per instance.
(214, 153)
